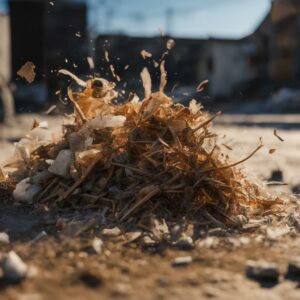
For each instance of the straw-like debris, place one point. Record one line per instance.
(138, 159)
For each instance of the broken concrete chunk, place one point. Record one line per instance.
(147, 241)
(111, 232)
(209, 242)
(97, 246)
(106, 121)
(132, 236)
(14, 269)
(25, 191)
(62, 163)
(182, 261)
(4, 238)
(262, 270)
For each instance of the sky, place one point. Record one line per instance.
(180, 18)
(187, 18)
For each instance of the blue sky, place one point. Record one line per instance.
(187, 18)
(192, 18)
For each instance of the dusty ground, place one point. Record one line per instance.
(67, 270)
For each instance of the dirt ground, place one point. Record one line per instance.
(66, 268)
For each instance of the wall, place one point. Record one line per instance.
(228, 66)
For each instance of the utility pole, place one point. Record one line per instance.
(169, 20)
(5, 72)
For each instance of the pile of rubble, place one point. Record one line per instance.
(135, 160)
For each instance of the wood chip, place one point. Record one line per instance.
(27, 72)
(276, 134)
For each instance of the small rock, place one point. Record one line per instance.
(147, 241)
(62, 163)
(185, 243)
(97, 245)
(132, 236)
(209, 242)
(276, 232)
(25, 191)
(14, 268)
(220, 232)
(111, 232)
(4, 238)
(27, 188)
(262, 270)
(182, 261)
(294, 267)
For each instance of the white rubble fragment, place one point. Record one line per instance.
(208, 242)
(182, 261)
(147, 241)
(106, 121)
(132, 236)
(13, 267)
(62, 163)
(27, 188)
(111, 232)
(97, 245)
(4, 238)
(25, 191)
(44, 125)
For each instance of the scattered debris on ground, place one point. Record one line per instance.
(138, 160)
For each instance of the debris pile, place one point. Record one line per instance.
(137, 159)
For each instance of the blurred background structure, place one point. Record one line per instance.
(248, 50)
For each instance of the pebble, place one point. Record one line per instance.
(111, 232)
(185, 243)
(25, 191)
(62, 163)
(13, 267)
(4, 238)
(148, 241)
(294, 267)
(132, 236)
(262, 270)
(209, 242)
(182, 261)
(97, 245)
